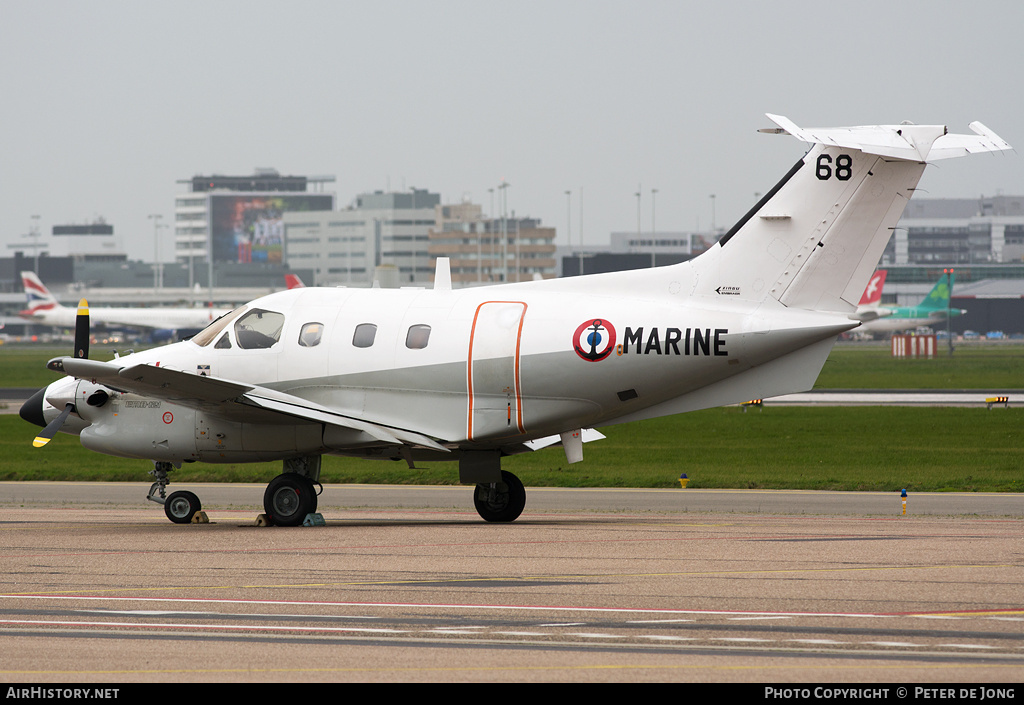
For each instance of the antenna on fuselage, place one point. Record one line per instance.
(443, 275)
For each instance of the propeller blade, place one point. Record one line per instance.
(51, 428)
(82, 330)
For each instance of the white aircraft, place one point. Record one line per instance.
(44, 308)
(933, 309)
(476, 374)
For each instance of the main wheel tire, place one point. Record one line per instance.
(289, 498)
(501, 501)
(181, 506)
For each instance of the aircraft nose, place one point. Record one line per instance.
(32, 410)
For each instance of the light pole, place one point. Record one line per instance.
(712, 215)
(155, 217)
(412, 277)
(654, 230)
(581, 231)
(491, 229)
(638, 229)
(949, 304)
(503, 186)
(568, 221)
(34, 234)
(519, 264)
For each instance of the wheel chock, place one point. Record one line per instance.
(314, 519)
(200, 518)
(263, 520)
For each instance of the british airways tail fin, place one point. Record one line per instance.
(38, 298)
(813, 241)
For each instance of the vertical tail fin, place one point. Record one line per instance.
(813, 241)
(938, 297)
(38, 297)
(872, 295)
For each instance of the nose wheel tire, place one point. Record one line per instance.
(500, 501)
(289, 498)
(181, 506)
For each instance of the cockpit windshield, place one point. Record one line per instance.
(206, 335)
(258, 329)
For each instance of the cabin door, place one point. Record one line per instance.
(494, 383)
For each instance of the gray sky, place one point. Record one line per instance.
(105, 105)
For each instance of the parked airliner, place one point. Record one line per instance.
(44, 308)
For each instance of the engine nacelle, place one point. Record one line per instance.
(131, 426)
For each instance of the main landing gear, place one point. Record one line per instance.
(500, 501)
(288, 499)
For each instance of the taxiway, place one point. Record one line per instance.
(110, 591)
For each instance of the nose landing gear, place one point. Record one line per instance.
(180, 507)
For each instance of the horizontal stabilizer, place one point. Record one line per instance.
(868, 315)
(919, 143)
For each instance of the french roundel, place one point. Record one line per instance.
(594, 340)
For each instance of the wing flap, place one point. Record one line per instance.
(589, 435)
(301, 408)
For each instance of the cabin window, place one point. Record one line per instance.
(206, 335)
(364, 335)
(311, 334)
(417, 337)
(258, 329)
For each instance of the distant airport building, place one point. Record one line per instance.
(959, 231)
(94, 242)
(382, 230)
(485, 250)
(239, 219)
(634, 250)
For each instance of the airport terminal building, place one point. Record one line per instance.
(379, 235)
(959, 231)
(260, 226)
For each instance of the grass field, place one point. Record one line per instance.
(974, 366)
(837, 448)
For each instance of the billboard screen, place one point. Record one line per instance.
(250, 228)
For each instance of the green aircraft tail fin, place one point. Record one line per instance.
(938, 297)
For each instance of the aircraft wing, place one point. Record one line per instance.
(235, 400)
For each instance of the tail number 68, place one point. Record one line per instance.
(843, 167)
